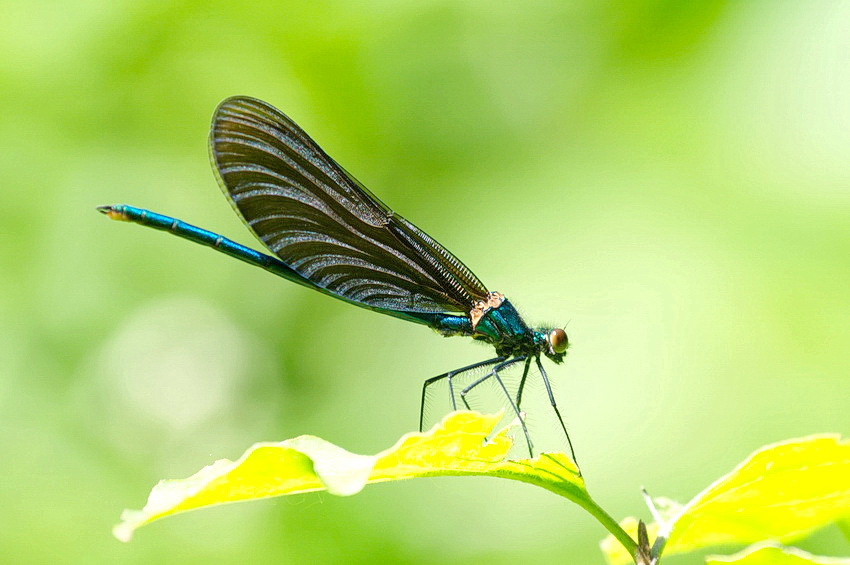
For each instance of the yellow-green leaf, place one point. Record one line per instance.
(844, 526)
(459, 445)
(780, 492)
(762, 554)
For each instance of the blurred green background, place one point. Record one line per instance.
(671, 178)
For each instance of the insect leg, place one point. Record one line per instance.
(450, 375)
(521, 386)
(557, 412)
(495, 374)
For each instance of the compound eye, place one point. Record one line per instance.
(558, 340)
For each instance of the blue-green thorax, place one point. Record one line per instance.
(497, 322)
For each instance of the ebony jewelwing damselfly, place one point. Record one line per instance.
(329, 233)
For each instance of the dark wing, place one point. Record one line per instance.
(324, 224)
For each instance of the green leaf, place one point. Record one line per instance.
(781, 492)
(459, 445)
(762, 554)
(844, 526)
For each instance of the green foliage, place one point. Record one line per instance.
(457, 446)
(781, 492)
(774, 555)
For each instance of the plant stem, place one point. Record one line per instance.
(566, 485)
(609, 524)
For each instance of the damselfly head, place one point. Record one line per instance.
(558, 342)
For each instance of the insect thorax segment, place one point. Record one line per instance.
(494, 300)
(497, 322)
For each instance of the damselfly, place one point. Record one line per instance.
(329, 233)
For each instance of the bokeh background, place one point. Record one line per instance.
(672, 179)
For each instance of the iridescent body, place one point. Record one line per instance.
(329, 233)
